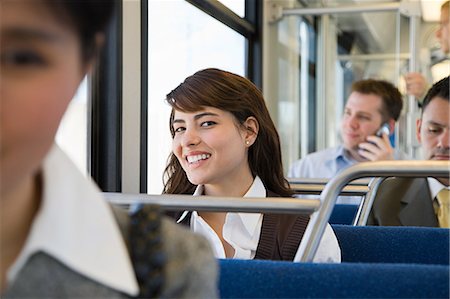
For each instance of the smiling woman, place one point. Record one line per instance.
(211, 146)
(220, 93)
(225, 144)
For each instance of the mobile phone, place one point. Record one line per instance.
(383, 129)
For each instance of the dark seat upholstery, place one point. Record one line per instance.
(343, 214)
(385, 244)
(269, 279)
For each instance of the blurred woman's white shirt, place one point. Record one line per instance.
(76, 226)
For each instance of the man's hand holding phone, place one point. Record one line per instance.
(378, 147)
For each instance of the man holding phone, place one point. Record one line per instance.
(371, 104)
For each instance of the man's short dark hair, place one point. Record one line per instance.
(392, 102)
(439, 89)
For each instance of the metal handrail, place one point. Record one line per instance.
(405, 168)
(315, 186)
(324, 181)
(375, 7)
(317, 189)
(319, 217)
(219, 204)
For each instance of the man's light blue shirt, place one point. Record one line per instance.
(325, 164)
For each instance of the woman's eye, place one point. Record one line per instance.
(208, 123)
(179, 129)
(21, 58)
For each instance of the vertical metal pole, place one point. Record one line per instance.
(322, 62)
(413, 113)
(397, 70)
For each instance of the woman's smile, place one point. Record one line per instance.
(197, 160)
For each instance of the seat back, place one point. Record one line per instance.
(393, 244)
(269, 279)
(343, 214)
(328, 197)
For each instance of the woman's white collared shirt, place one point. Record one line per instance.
(76, 226)
(242, 231)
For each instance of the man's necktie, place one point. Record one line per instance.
(443, 198)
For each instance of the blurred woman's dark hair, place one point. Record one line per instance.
(228, 92)
(86, 17)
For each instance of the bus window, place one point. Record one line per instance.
(237, 6)
(179, 45)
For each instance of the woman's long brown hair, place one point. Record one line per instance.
(237, 95)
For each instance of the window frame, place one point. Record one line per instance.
(105, 121)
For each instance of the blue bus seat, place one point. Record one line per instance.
(270, 279)
(393, 244)
(343, 214)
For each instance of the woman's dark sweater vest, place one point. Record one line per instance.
(280, 234)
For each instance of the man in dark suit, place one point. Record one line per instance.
(420, 201)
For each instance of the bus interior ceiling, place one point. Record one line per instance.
(384, 41)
